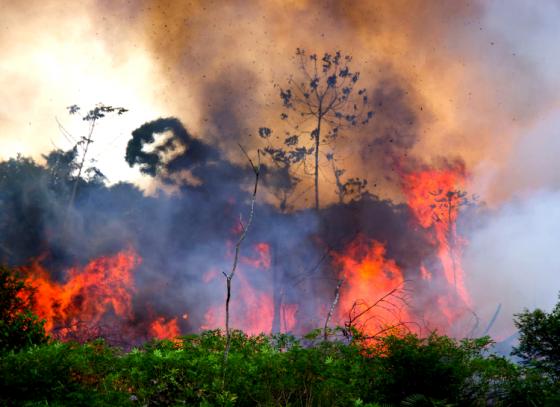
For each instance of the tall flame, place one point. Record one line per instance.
(252, 306)
(435, 198)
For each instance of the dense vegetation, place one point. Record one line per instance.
(274, 370)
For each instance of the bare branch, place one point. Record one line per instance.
(245, 229)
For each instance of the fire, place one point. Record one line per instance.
(370, 295)
(424, 273)
(435, 198)
(95, 300)
(162, 329)
(104, 287)
(251, 310)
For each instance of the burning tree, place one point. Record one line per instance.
(435, 198)
(320, 102)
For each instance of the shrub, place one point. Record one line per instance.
(59, 373)
(19, 327)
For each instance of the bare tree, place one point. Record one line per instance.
(244, 229)
(320, 102)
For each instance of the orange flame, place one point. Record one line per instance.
(370, 293)
(162, 329)
(104, 286)
(251, 310)
(262, 260)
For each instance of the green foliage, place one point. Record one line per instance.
(19, 327)
(261, 370)
(404, 370)
(539, 340)
(432, 368)
(59, 374)
(273, 370)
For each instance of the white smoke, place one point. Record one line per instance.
(513, 260)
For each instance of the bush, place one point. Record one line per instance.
(19, 327)
(271, 370)
(60, 374)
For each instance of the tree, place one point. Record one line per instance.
(539, 339)
(320, 102)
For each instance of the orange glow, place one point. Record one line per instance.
(250, 310)
(162, 329)
(368, 277)
(435, 197)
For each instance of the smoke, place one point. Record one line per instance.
(214, 66)
(512, 259)
(185, 238)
